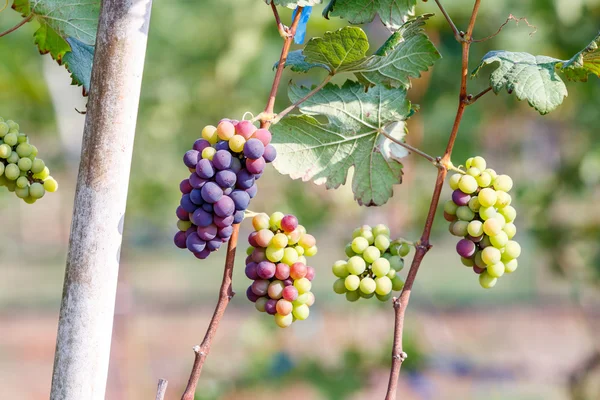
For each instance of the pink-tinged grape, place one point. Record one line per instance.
(223, 222)
(264, 237)
(352, 282)
(467, 184)
(367, 285)
(450, 217)
(371, 254)
(283, 321)
(260, 304)
(294, 236)
(298, 271)
(301, 312)
(263, 135)
(303, 285)
(512, 250)
(380, 267)
(307, 241)
(310, 273)
(383, 285)
(284, 307)
(464, 213)
(260, 221)
(492, 227)
(503, 182)
(339, 269)
(265, 269)
(475, 228)
(460, 198)
(274, 254)
(290, 293)
(182, 214)
(185, 186)
(225, 130)
(352, 296)
(282, 271)
(487, 197)
(496, 270)
(245, 129)
(259, 255)
(339, 286)
(289, 223)
(275, 290)
(260, 287)
(209, 133)
(255, 166)
(271, 307)
(465, 248)
(487, 281)
(490, 255)
(454, 180)
(252, 239)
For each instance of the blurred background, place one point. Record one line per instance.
(534, 336)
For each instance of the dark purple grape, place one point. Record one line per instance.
(226, 178)
(205, 169)
(254, 149)
(214, 245)
(222, 222)
(478, 270)
(257, 176)
(191, 229)
(271, 306)
(475, 239)
(194, 243)
(196, 197)
(207, 207)
(224, 207)
(460, 198)
(207, 232)
(187, 204)
(260, 287)
(270, 153)
(203, 254)
(255, 167)
(225, 233)
(288, 282)
(222, 159)
(241, 199)
(248, 260)
(211, 192)
(250, 295)
(222, 145)
(245, 179)
(180, 240)
(465, 248)
(265, 269)
(185, 186)
(200, 145)
(252, 190)
(236, 165)
(190, 158)
(238, 217)
(196, 182)
(252, 239)
(250, 270)
(182, 214)
(202, 218)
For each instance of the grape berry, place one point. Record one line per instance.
(224, 164)
(480, 213)
(277, 265)
(20, 169)
(373, 265)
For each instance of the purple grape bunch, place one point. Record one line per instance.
(225, 164)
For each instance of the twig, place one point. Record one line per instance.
(510, 18)
(433, 160)
(283, 31)
(457, 34)
(302, 100)
(472, 99)
(17, 26)
(423, 246)
(162, 389)
(226, 291)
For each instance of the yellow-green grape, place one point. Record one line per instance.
(404, 249)
(348, 250)
(391, 273)
(467, 262)
(283, 321)
(474, 204)
(183, 225)
(24, 164)
(512, 249)
(260, 221)
(3, 129)
(450, 207)
(382, 242)
(365, 295)
(303, 285)
(22, 182)
(356, 265)
(467, 184)
(487, 281)
(1, 171)
(236, 143)
(339, 269)
(469, 162)
(371, 254)
(384, 298)
(290, 256)
(492, 173)
(5, 150)
(487, 197)
(454, 180)
(352, 282)
(459, 228)
(352, 296)
(381, 267)
(274, 254)
(484, 179)
(475, 228)
(359, 245)
(34, 152)
(509, 213)
(381, 229)
(487, 212)
(260, 304)
(356, 233)
(396, 263)
(397, 283)
(210, 133)
(510, 229)
(249, 249)
(13, 158)
(384, 285)
(301, 312)
(339, 286)
(464, 213)
(22, 193)
(479, 163)
(368, 234)
(367, 285)
(11, 139)
(302, 299)
(511, 266)
(275, 220)
(280, 240)
(503, 182)
(474, 172)
(491, 255)
(24, 149)
(38, 166)
(300, 250)
(485, 242)
(12, 172)
(500, 240)
(208, 153)
(500, 218)
(311, 251)
(503, 200)
(496, 270)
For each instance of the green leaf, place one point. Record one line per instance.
(63, 26)
(586, 62)
(337, 49)
(297, 63)
(324, 153)
(294, 3)
(531, 78)
(404, 55)
(393, 13)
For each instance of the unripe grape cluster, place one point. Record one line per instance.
(277, 265)
(373, 265)
(225, 165)
(20, 169)
(480, 213)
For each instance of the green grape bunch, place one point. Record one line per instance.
(373, 265)
(480, 213)
(20, 169)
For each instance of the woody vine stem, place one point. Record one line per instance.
(422, 246)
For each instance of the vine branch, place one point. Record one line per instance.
(423, 246)
(162, 389)
(226, 292)
(510, 18)
(457, 34)
(17, 26)
(407, 146)
(472, 99)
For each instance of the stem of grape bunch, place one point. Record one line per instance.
(226, 292)
(422, 246)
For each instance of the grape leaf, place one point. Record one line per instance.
(404, 55)
(586, 62)
(337, 49)
(297, 62)
(531, 78)
(294, 3)
(63, 26)
(393, 13)
(324, 153)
